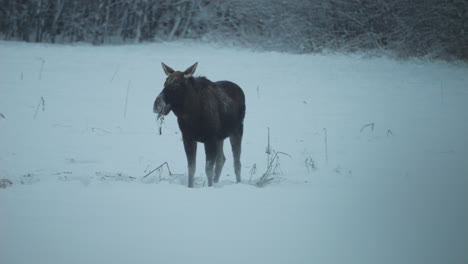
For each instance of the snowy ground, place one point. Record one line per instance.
(77, 135)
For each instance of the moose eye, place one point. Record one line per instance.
(169, 83)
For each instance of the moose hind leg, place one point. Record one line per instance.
(210, 151)
(220, 159)
(191, 152)
(236, 142)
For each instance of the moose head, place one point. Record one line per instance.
(173, 93)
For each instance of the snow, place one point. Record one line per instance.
(78, 134)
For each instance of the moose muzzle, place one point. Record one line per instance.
(160, 107)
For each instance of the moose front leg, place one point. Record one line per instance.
(191, 152)
(220, 159)
(211, 153)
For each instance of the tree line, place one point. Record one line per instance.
(434, 28)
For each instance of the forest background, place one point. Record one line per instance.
(436, 29)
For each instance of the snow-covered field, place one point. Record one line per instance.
(377, 173)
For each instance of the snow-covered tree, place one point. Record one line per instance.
(438, 28)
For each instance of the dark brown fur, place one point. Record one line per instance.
(207, 112)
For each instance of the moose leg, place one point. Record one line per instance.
(236, 142)
(220, 159)
(191, 152)
(210, 151)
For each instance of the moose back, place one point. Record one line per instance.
(207, 112)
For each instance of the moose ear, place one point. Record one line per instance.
(168, 70)
(190, 71)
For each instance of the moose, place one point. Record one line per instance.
(207, 112)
